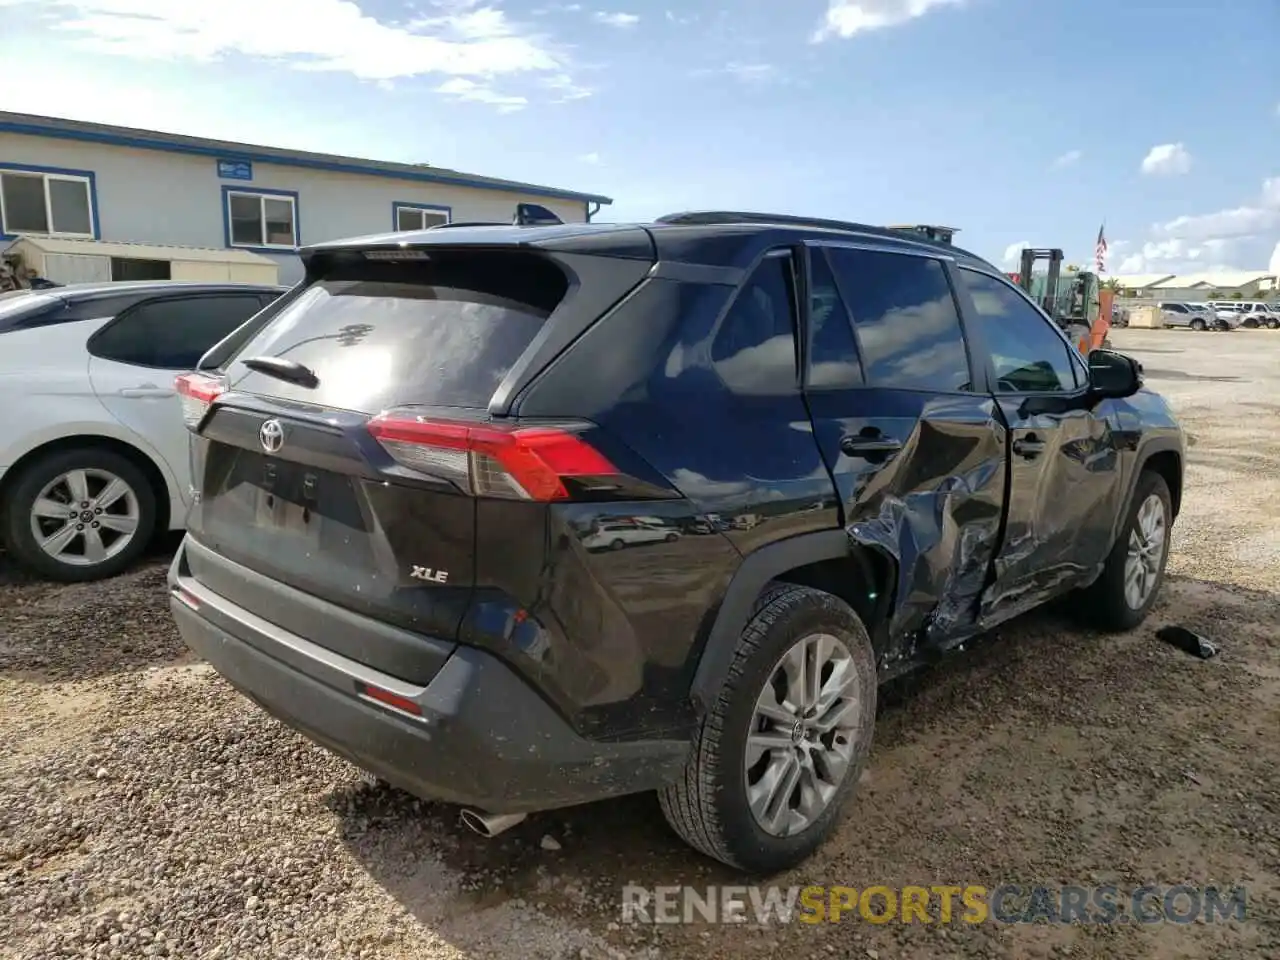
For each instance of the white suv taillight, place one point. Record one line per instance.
(197, 391)
(492, 460)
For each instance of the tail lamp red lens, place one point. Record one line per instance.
(197, 391)
(528, 463)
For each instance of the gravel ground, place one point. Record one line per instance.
(147, 810)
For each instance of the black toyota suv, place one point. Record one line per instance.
(518, 517)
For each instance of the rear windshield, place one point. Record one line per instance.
(379, 335)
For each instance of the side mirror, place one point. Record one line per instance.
(1113, 375)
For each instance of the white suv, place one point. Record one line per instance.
(93, 447)
(1259, 313)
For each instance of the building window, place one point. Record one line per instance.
(261, 219)
(419, 216)
(51, 203)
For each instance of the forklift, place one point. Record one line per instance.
(1076, 302)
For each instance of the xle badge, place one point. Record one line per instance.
(426, 573)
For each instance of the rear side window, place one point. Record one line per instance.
(908, 327)
(380, 334)
(172, 334)
(754, 350)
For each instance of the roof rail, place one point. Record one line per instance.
(716, 217)
(468, 223)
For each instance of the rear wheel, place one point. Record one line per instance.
(78, 515)
(1122, 597)
(786, 740)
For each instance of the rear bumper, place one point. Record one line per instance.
(485, 738)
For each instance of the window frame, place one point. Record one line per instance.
(1074, 360)
(398, 205)
(980, 381)
(261, 194)
(46, 174)
(127, 312)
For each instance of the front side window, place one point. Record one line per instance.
(754, 350)
(172, 334)
(1028, 354)
(414, 217)
(45, 203)
(908, 328)
(262, 219)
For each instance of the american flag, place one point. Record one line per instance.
(1100, 250)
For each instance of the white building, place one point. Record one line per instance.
(65, 180)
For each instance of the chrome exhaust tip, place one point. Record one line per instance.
(491, 824)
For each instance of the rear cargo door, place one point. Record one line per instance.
(294, 483)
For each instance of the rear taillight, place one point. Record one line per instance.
(197, 391)
(526, 463)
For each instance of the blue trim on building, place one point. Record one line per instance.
(397, 205)
(426, 175)
(228, 189)
(96, 224)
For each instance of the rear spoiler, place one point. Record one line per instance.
(526, 215)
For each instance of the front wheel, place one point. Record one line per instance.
(78, 515)
(1273, 324)
(1197, 324)
(787, 738)
(1122, 597)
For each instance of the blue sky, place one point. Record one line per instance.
(1014, 120)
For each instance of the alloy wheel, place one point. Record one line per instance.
(1146, 551)
(85, 517)
(802, 736)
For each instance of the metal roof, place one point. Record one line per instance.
(1134, 281)
(142, 251)
(1227, 279)
(40, 126)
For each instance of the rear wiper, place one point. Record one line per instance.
(290, 371)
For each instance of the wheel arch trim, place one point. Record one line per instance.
(752, 576)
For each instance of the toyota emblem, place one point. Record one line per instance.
(271, 436)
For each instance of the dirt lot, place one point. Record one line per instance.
(146, 810)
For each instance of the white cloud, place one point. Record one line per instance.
(845, 18)
(622, 20)
(1013, 252)
(591, 158)
(746, 72)
(1259, 216)
(564, 88)
(1167, 158)
(460, 88)
(1274, 265)
(461, 39)
(1068, 159)
(681, 19)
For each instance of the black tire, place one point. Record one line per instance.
(32, 479)
(617, 544)
(1273, 324)
(1197, 324)
(708, 806)
(1104, 603)
(672, 537)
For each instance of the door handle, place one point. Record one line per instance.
(858, 446)
(1028, 446)
(147, 390)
